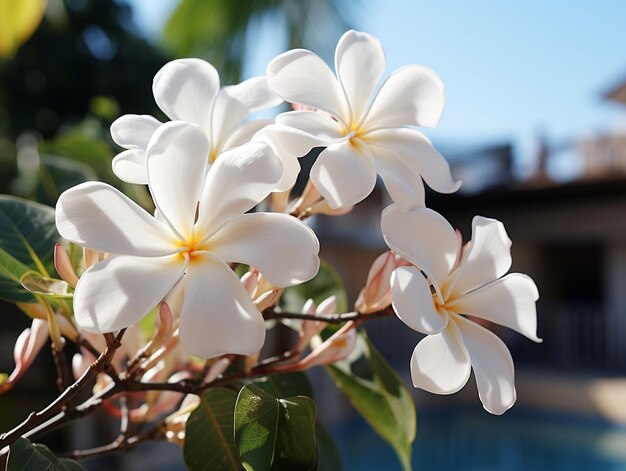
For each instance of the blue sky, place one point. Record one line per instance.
(511, 68)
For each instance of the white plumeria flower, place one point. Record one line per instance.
(189, 90)
(366, 130)
(188, 245)
(431, 297)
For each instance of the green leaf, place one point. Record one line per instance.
(57, 174)
(11, 289)
(376, 391)
(209, 439)
(286, 385)
(28, 233)
(328, 457)
(24, 456)
(275, 434)
(326, 283)
(38, 284)
(83, 143)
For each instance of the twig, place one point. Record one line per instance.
(37, 418)
(64, 378)
(271, 313)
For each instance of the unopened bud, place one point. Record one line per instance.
(64, 266)
(280, 201)
(27, 346)
(377, 291)
(310, 196)
(335, 348)
(308, 328)
(267, 299)
(250, 281)
(250, 362)
(90, 257)
(217, 369)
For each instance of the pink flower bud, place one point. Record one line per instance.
(335, 348)
(250, 281)
(310, 196)
(27, 346)
(64, 266)
(217, 369)
(377, 291)
(308, 329)
(267, 299)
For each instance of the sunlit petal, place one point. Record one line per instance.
(423, 237)
(344, 174)
(509, 301)
(299, 76)
(318, 124)
(492, 365)
(98, 216)
(288, 144)
(360, 63)
(254, 94)
(133, 131)
(185, 89)
(218, 316)
(412, 95)
(228, 115)
(177, 162)
(440, 363)
(130, 166)
(414, 151)
(120, 290)
(413, 301)
(237, 182)
(282, 248)
(488, 257)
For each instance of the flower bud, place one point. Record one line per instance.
(250, 281)
(309, 197)
(308, 328)
(267, 299)
(64, 266)
(217, 369)
(322, 207)
(335, 348)
(27, 346)
(377, 291)
(280, 201)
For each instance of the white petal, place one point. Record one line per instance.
(288, 144)
(360, 63)
(403, 183)
(185, 89)
(98, 216)
(282, 248)
(228, 114)
(488, 257)
(244, 133)
(412, 95)
(492, 365)
(423, 237)
(415, 152)
(120, 290)
(254, 94)
(440, 363)
(413, 301)
(133, 131)
(130, 166)
(344, 174)
(509, 301)
(238, 181)
(177, 163)
(299, 76)
(218, 316)
(319, 124)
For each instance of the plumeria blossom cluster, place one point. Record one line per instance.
(221, 186)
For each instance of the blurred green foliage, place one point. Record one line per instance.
(219, 30)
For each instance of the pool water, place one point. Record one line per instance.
(476, 441)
